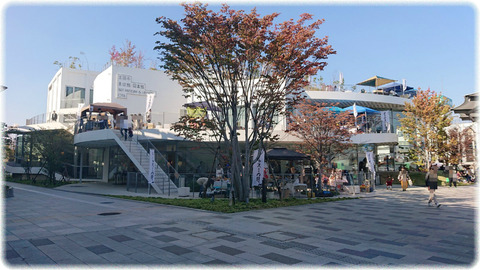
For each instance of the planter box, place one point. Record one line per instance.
(184, 192)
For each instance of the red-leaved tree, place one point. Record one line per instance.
(323, 129)
(127, 56)
(244, 65)
(459, 144)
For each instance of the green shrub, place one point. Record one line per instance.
(222, 205)
(39, 182)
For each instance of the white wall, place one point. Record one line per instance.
(129, 87)
(57, 88)
(102, 87)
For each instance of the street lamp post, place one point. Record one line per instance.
(84, 55)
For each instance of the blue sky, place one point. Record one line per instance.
(428, 45)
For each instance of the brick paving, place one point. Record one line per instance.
(45, 227)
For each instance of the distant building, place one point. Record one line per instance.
(468, 110)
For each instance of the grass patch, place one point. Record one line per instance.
(221, 205)
(40, 183)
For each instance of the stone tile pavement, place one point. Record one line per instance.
(45, 227)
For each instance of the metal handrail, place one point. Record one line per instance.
(170, 169)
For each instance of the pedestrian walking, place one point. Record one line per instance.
(130, 133)
(403, 177)
(431, 181)
(389, 182)
(65, 176)
(124, 125)
(453, 175)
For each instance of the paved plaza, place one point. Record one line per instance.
(46, 227)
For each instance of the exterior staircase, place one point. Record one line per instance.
(141, 158)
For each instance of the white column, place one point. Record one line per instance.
(106, 162)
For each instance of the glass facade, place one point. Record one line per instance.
(73, 96)
(92, 163)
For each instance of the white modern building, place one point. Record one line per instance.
(71, 88)
(104, 155)
(129, 87)
(68, 88)
(385, 142)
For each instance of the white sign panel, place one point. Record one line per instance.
(258, 168)
(151, 174)
(125, 86)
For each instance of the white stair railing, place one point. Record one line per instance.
(141, 158)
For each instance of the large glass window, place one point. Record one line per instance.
(91, 96)
(69, 91)
(81, 90)
(93, 164)
(74, 96)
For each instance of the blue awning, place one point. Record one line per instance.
(361, 109)
(334, 109)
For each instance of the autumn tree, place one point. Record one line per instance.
(127, 56)
(423, 126)
(323, 130)
(459, 143)
(245, 65)
(73, 63)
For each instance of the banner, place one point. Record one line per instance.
(149, 101)
(258, 168)
(151, 173)
(355, 113)
(385, 115)
(371, 163)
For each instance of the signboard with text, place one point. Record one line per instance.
(258, 167)
(125, 85)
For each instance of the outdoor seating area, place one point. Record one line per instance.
(214, 188)
(98, 116)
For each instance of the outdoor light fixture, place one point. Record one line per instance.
(3, 88)
(82, 53)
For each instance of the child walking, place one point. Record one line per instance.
(389, 182)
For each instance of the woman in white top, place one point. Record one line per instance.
(403, 178)
(219, 172)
